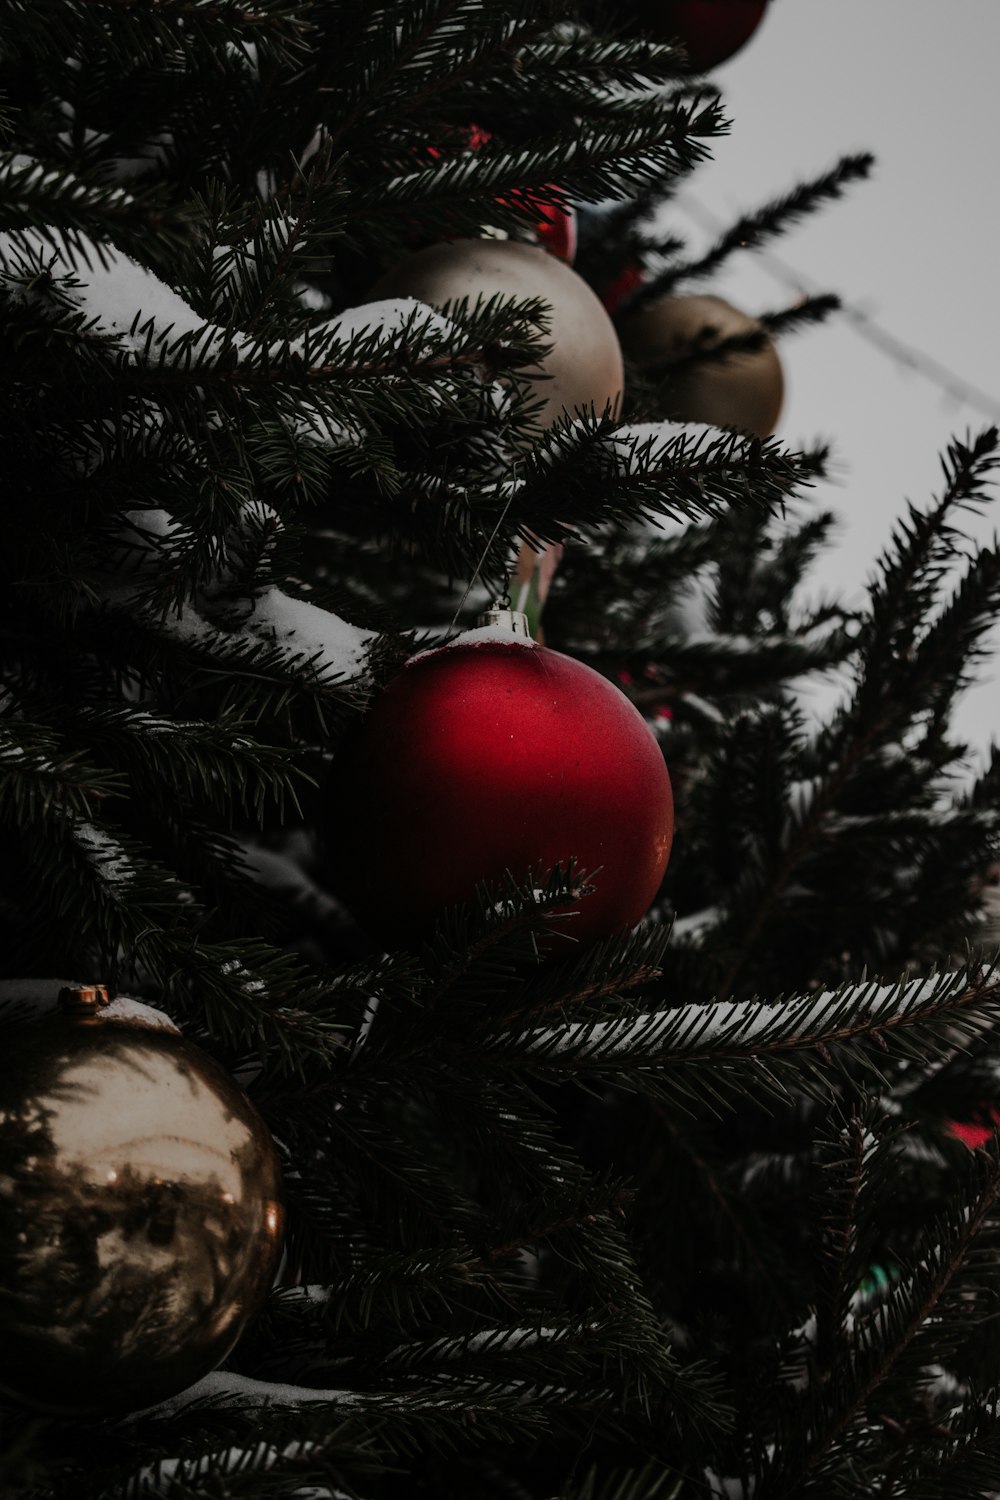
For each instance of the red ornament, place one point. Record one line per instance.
(629, 279)
(556, 224)
(710, 30)
(556, 230)
(972, 1132)
(491, 755)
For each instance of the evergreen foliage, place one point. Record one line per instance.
(674, 1216)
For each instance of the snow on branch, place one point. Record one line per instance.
(111, 861)
(489, 1341)
(23, 180)
(122, 300)
(637, 444)
(303, 632)
(332, 645)
(753, 1028)
(655, 473)
(163, 1475)
(303, 637)
(129, 305)
(225, 1390)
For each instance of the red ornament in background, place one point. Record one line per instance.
(556, 230)
(494, 754)
(629, 279)
(556, 226)
(712, 31)
(972, 1132)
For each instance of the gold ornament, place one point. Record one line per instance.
(742, 390)
(584, 363)
(140, 1210)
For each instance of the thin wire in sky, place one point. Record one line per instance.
(904, 355)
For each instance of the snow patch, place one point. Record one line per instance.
(125, 301)
(390, 315)
(301, 1297)
(312, 298)
(367, 1022)
(333, 644)
(737, 1023)
(225, 1389)
(155, 523)
(37, 177)
(643, 438)
(311, 424)
(105, 854)
(279, 872)
(318, 1492)
(480, 635)
(134, 1012)
(155, 1478)
(702, 706)
(251, 984)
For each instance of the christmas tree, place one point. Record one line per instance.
(577, 1206)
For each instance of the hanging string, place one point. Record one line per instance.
(485, 553)
(902, 354)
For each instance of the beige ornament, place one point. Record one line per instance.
(584, 363)
(743, 390)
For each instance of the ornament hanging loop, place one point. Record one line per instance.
(500, 615)
(83, 999)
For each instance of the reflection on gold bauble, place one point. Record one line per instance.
(584, 364)
(140, 1211)
(742, 390)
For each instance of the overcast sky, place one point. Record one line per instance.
(915, 81)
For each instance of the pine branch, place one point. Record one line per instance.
(804, 312)
(709, 1186)
(64, 206)
(873, 1364)
(888, 682)
(431, 48)
(653, 1482)
(658, 470)
(706, 353)
(719, 665)
(925, 545)
(752, 231)
(710, 1054)
(219, 764)
(177, 26)
(40, 774)
(645, 150)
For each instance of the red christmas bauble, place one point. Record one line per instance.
(629, 279)
(975, 1132)
(712, 31)
(556, 230)
(556, 224)
(493, 755)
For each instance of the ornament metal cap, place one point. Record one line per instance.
(513, 620)
(83, 999)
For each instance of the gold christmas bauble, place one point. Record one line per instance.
(742, 390)
(140, 1209)
(584, 363)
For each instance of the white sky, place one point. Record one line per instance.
(915, 81)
